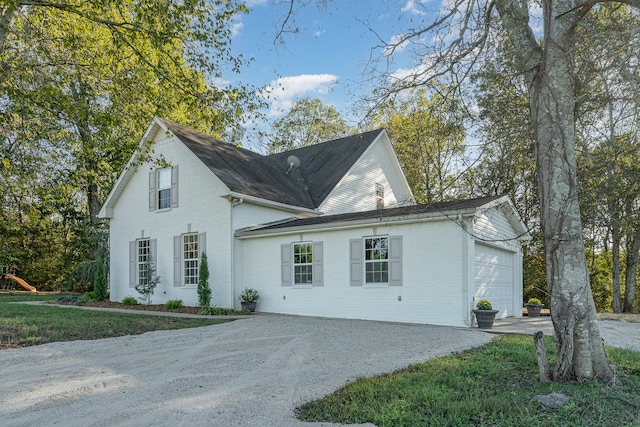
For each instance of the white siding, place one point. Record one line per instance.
(200, 209)
(356, 191)
(493, 227)
(431, 291)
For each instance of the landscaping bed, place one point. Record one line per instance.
(113, 304)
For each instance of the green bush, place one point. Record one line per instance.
(73, 299)
(173, 304)
(204, 290)
(100, 285)
(89, 296)
(129, 301)
(218, 311)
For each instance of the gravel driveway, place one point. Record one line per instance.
(250, 372)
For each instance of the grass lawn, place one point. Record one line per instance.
(492, 385)
(23, 325)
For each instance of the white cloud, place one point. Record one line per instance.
(236, 27)
(284, 91)
(410, 6)
(392, 48)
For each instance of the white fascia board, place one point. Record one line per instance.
(107, 208)
(277, 205)
(345, 225)
(396, 164)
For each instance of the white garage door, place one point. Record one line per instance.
(494, 278)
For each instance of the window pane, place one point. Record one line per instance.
(164, 178)
(190, 255)
(302, 263)
(376, 264)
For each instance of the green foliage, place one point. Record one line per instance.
(172, 304)
(534, 301)
(148, 282)
(249, 295)
(129, 301)
(483, 304)
(89, 296)
(79, 83)
(219, 311)
(100, 281)
(204, 290)
(427, 134)
(308, 122)
(75, 299)
(492, 385)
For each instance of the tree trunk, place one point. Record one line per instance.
(549, 69)
(633, 250)
(615, 268)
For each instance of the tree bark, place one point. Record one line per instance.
(543, 359)
(549, 69)
(630, 282)
(616, 239)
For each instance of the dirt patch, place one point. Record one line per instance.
(621, 317)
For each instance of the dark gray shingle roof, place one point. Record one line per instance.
(435, 208)
(246, 172)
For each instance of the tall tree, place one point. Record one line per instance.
(82, 79)
(547, 63)
(309, 122)
(428, 136)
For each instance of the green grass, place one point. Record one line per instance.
(492, 385)
(23, 325)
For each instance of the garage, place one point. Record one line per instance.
(494, 278)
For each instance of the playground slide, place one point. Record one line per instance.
(20, 282)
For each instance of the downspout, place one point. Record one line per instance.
(466, 315)
(234, 201)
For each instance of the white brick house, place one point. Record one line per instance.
(330, 232)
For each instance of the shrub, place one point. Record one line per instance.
(173, 304)
(100, 281)
(204, 290)
(149, 281)
(534, 301)
(89, 296)
(129, 301)
(483, 304)
(73, 299)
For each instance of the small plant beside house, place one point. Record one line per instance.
(248, 299)
(204, 290)
(129, 301)
(485, 314)
(148, 281)
(172, 304)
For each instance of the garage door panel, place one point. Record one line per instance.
(494, 278)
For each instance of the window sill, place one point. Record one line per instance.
(162, 210)
(302, 286)
(375, 285)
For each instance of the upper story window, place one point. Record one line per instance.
(379, 196)
(376, 258)
(163, 188)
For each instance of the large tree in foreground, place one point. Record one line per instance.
(547, 61)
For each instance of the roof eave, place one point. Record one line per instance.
(272, 204)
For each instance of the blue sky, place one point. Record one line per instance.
(326, 58)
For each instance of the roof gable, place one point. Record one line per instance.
(270, 177)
